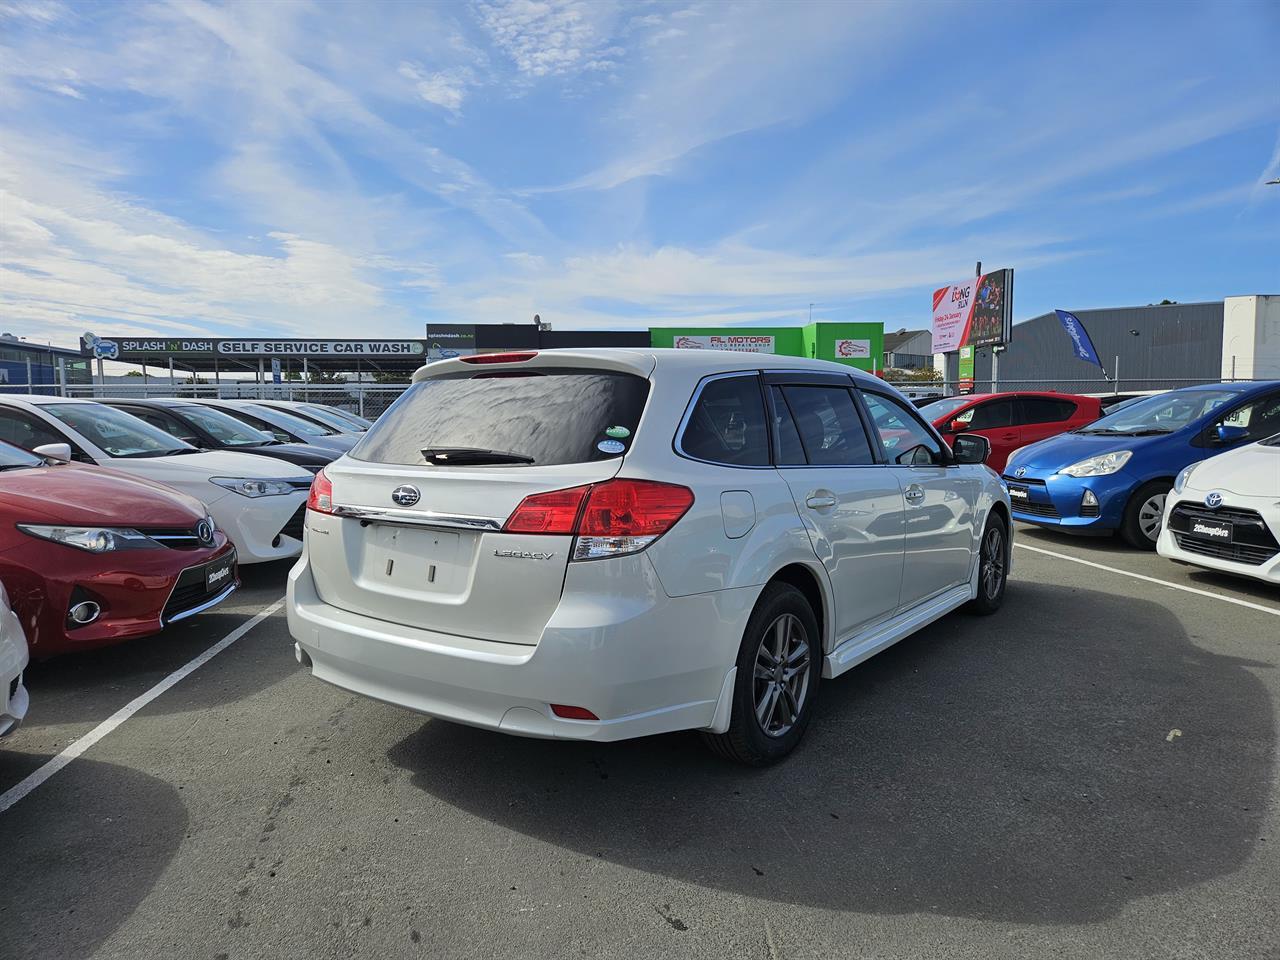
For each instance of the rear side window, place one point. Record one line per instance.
(727, 424)
(830, 429)
(546, 416)
(1044, 410)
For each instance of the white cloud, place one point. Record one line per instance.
(444, 88)
(546, 38)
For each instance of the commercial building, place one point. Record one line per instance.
(37, 368)
(858, 345)
(909, 350)
(1156, 347)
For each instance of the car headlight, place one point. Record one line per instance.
(93, 539)
(1100, 466)
(252, 487)
(1180, 481)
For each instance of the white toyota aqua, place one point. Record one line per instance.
(258, 502)
(1224, 513)
(602, 544)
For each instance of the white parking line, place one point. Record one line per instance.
(77, 747)
(1274, 611)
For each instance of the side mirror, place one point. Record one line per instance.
(971, 448)
(56, 451)
(956, 426)
(1228, 434)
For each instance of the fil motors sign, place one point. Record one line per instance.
(742, 343)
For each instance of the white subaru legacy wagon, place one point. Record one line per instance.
(600, 544)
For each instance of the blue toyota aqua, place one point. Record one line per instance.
(1115, 473)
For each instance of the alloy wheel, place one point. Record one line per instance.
(992, 562)
(782, 675)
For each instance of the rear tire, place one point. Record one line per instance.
(993, 567)
(1144, 514)
(776, 690)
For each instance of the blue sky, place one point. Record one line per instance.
(359, 170)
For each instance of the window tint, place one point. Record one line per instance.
(162, 421)
(790, 450)
(987, 416)
(1045, 410)
(1261, 418)
(549, 415)
(902, 436)
(27, 432)
(728, 425)
(830, 429)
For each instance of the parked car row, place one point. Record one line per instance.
(120, 517)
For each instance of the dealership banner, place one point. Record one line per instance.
(744, 343)
(1081, 344)
(976, 312)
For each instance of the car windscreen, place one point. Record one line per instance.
(295, 425)
(940, 408)
(1164, 413)
(118, 433)
(357, 421)
(547, 416)
(310, 411)
(12, 458)
(225, 428)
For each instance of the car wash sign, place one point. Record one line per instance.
(743, 343)
(351, 349)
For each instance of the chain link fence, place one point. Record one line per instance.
(369, 400)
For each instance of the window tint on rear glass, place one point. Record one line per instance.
(552, 416)
(830, 428)
(987, 416)
(727, 424)
(790, 450)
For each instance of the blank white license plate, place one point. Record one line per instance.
(417, 559)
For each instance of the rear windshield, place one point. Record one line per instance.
(543, 417)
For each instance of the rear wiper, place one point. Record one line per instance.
(444, 456)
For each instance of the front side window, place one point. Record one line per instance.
(830, 430)
(1260, 419)
(904, 439)
(118, 433)
(727, 424)
(987, 416)
(162, 421)
(542, 416)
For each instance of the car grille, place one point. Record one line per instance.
(188, 592)
(1025, 481)
(294, 527)
(1254, 544)
(1239, 552)
(176, 538)
(1035, 509)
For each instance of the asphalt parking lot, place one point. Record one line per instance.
(1090, 773)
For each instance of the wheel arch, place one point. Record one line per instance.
(812, 584)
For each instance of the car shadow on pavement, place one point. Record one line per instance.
(1016, 767)
(81, 855)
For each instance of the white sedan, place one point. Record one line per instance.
(259, 502)
(13, 660)
(1224, 513)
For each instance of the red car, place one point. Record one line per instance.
(1011, 420)
(91, 557)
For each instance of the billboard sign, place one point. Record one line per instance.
(744, 343)
(446, 340)
(977, 312)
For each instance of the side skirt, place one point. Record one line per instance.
(863, 646)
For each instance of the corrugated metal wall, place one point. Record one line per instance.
(1160, 347)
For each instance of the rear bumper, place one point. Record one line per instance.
(643, 662)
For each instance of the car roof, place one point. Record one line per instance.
(670, 358)
(39, 399)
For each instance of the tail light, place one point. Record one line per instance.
(607, 519)
(320, 498)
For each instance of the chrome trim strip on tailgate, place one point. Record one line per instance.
(425, 518)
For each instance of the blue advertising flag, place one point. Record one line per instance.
(1081, 345)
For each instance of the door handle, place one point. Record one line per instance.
(914, 493)
(817, 502)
